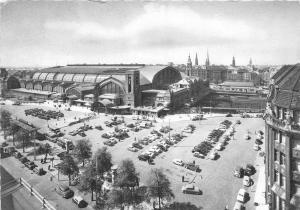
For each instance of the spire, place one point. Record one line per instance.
(196, 60)
(233, 61)
(207, 62)
(189, 59)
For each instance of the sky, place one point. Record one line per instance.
(48, 33)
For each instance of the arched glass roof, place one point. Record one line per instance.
(50, 76)
(90, 78)
(78, 77)
(59, 77)
(100, 78)
(68, 77)
(43, 76)
(36, 75)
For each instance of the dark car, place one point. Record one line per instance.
(192, 167)
(228, 115)
(258, 142)
(31, 165)
(39, 171)
(137, 145)
(249, 170)
(64, 191)
(24, 160)
(145, 157)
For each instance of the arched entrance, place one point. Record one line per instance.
(13, 83)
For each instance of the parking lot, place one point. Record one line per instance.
(216, 181)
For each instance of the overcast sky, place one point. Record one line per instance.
(57, 33)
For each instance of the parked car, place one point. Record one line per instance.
(242, 195)
(238, 122)
(258, 142)
(238, 172)
(132, 149)
(145, 157)
(238, 206)
(64, 191)
(78, 200)
(137, 145)
(192, 167)
(198, 155)
(247, 137)
(24, 160)
(213, 155)
(30, 165)
(219, 147)
(178, 162)
(246, 181)
(256, 147)
(191, 189)
(228, 115)
(39, 171)
(249, 170)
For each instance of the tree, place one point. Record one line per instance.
(14, 129)
(103, 160)
(5, 121)
(126, 187)
(68, 167)
(159, 186)
(83, 150)
(23, 137)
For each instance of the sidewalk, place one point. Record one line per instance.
(43, 184)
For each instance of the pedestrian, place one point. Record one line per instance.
(226, 207)
(182, 178)
(41, 160)
(49, 167)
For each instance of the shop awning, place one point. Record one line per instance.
(106, 102)
(72, 97)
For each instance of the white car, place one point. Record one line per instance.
(256, 147)
(219, 147)
(247, 137)
(238, 206)
(246, 181)
(132, 149)
(241, 197)
(213, 155)
(178, 162)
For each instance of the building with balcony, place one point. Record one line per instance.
(282, 133)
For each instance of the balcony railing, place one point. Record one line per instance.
(296, 176)
(282, 124)
(296, 152)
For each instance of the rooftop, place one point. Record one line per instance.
(237, 84)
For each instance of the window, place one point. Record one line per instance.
(282, 159)
(282, 181)
(129, 84)
(276, 155)
(276, 177)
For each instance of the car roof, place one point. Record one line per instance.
(242, 191)
(78, 198)
(63, 187)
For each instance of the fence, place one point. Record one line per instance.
(35, 193)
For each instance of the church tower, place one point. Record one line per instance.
(207, 62)
(233, 62)
(196, 60)
(189, 66)
(250, 62)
